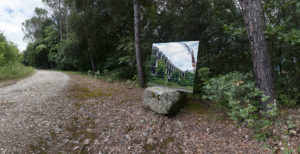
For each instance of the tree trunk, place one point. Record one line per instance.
(91, 60)
(60, 21)
(261, 58)
(136, 6)
(67, 21)
(89, 53)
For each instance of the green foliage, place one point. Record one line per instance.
(100, 34)
(290, 123)
(289, 100)
(204, 74)
(237, 91)
(175, 77)
(161, 69)
(14, 71)
(9, 52)
(10, 61)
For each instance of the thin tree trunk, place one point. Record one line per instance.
(136, 6)
(60, 20)
(89, 53)
(261, 58)
(91, 60)
(67, 21)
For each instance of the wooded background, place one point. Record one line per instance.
(98, 35)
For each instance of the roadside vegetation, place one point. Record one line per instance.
(11, 66)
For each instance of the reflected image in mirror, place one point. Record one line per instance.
(173, 64)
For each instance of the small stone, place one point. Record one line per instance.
(142, 121)
(97, 121)
(144, 133)
(149, 141)
(86, 141)
(168, 130)
(127, 136)
(76, 147)
(293, 132)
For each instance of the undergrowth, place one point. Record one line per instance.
(14, 71)
(237, 92)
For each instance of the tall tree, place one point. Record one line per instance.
(136, 7)
(255, 24)
(59, 14)
(32, 27)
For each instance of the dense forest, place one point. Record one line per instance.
(98, 35)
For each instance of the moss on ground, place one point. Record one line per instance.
(209, 109)
(166, 141)
(80, 92)
(196, 106)
(149, 148)
(128, 129)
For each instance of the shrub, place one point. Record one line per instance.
(204, 73)
(237, 91)
(290, 98)
(13, 71)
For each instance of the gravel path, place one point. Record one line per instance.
(28, 109)
(51, 112)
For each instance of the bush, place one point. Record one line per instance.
(237, 91)
(13, 71)
(202, 77)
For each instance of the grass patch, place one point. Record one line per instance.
(128, 129)
(84, 92)
(14, 71)
(167, 141)
(72, 72)
(195, 106)
(212, 109)
(149, 148)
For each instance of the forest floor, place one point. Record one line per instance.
(54, 112)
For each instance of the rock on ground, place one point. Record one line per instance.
(164, 100)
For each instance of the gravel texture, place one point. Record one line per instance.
(29, 108)
(52, 112)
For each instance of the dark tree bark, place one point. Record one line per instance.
(89, 44)
(136, 7)
(255, 23)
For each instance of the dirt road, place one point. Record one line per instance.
(29, 108)
(51, 112)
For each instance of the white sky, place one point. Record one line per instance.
(12, 14)
(178, 54)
